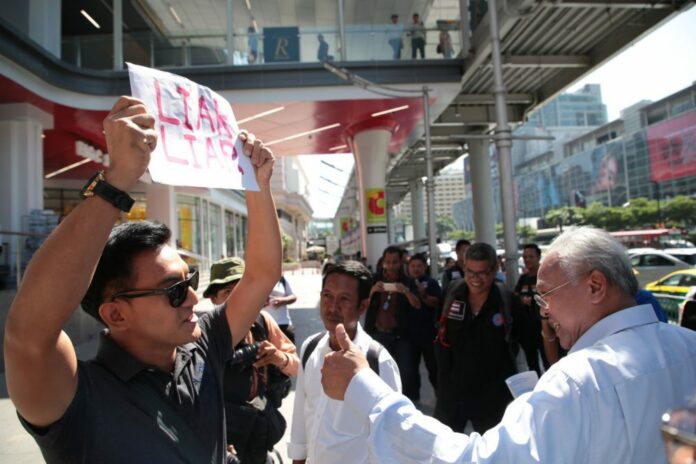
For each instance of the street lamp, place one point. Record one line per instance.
(392, 92)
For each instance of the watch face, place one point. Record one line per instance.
(88, 190)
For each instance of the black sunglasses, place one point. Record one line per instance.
(176, 293)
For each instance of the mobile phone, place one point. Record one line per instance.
(388, 287)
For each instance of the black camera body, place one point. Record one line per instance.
(245, 355)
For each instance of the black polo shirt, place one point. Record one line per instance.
(116, 415)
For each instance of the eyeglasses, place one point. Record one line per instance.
(176, 294)
(539, 298)
(476, 275)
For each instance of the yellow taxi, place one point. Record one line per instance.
(677, 283)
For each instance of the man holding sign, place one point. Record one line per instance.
(154, 391)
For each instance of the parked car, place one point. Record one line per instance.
(651, 264)
(676, 283)
(688, 255)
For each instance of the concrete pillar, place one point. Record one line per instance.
(482, 191)
(417, 210)
(370, 144)
(21, 168)
(161, 206)
(391, 232)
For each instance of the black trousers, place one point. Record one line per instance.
(401, 349)
(484, 409)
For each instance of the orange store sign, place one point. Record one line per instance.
(376, 206)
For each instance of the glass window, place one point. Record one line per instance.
(688, 280)
(656, 260)
(215, 232)
(674, 280)
(230, 233)
(189, 222)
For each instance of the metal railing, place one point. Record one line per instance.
(362, 43)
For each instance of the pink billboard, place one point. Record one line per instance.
(672, 148)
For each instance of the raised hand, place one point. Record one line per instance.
(341, 366)
(261, 158)
(130, 138)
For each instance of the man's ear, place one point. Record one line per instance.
(362, 307)
(598, 286)
(113, 315)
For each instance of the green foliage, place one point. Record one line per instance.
(444, 225)
(461, 234)
(640, 213)
(681, 210)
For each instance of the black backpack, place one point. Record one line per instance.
(372, 352)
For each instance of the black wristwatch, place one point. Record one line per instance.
(97, 185)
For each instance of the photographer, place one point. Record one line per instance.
(257, 378)
(392, 315)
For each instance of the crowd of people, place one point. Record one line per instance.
(169, 385)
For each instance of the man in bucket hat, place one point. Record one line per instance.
(257, 377)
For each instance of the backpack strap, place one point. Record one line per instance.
(506, 309)
(372, 352)
(373, 355)
(311, 345)
(259, 329)
(518, 356)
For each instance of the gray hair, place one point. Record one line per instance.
(584, 249)
(482, 252)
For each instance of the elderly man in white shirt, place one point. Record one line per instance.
(601, 403)
(323, 429)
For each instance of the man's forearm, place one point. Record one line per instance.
(60, 272)
(264, 249)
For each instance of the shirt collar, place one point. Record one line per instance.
(125, 366)
(614, 323)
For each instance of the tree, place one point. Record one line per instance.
(461, 234)
(681, 210)
(444, 225)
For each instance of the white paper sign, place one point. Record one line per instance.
(198, 142)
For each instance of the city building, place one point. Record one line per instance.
(650, 151)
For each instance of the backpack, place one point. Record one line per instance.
(278, 384)
(372, 352)
(511, 340)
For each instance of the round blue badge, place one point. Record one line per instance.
(497, 319)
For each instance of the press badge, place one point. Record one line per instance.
(456, 310)
(456, 275)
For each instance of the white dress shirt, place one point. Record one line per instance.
(281, 314)
(600, 404)
(323, 430)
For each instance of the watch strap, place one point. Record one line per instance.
(97, 185)
(119, 198)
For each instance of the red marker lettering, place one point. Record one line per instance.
(192, 138)
(185, 94)
(210, 153)
(163, 142)
(203, 113)
(222, 122)
(160, 113)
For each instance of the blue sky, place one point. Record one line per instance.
(652, 68)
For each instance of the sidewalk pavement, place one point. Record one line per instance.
(17, 447)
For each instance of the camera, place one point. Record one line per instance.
(246, 355)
